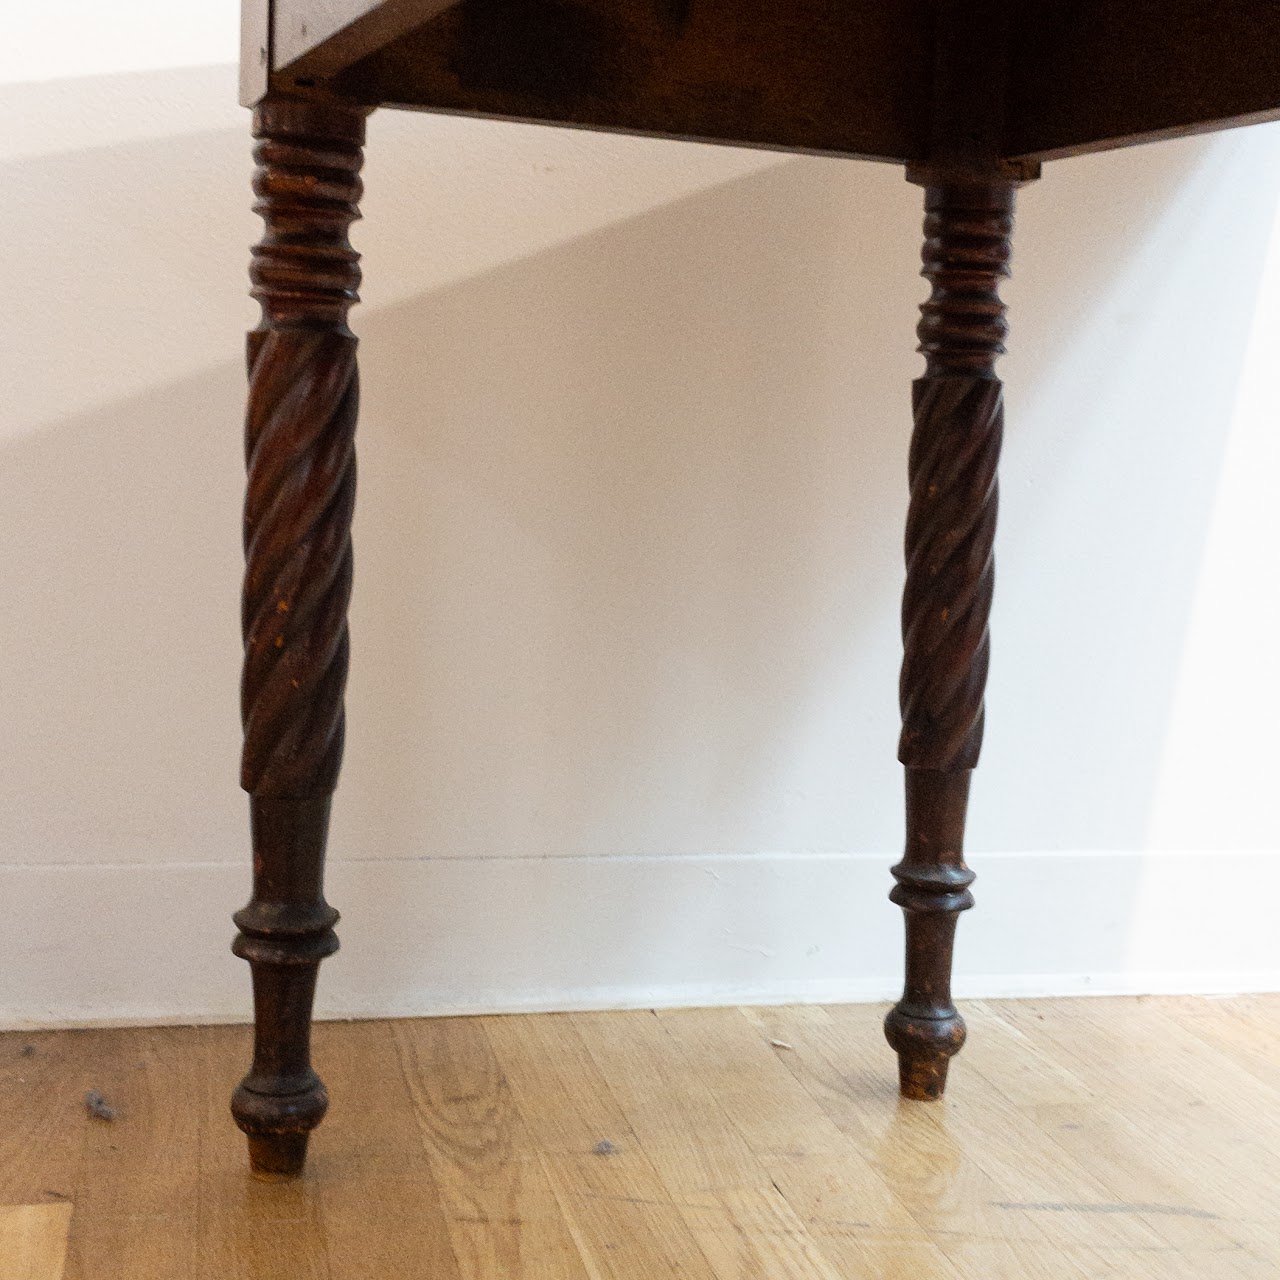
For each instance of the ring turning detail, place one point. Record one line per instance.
(300, 448)
(951, 523)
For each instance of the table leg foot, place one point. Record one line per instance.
(924, 1028)
(278, 1155)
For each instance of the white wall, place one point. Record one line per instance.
(622, 715)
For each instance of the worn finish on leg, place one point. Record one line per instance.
(300, 447)
(951, 523)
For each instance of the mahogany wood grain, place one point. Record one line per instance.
(971, 95)
(249, 1228)
(849, 79)
(1089, 75)
(951, 518)
(300, 446)
(807, 76)
(951, 522)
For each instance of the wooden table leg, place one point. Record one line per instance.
(300, 446)
(951, 523)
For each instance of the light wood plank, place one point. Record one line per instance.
(751, 1084)
(1246, 1029)
(1016, 1260)
(1221, 1119)
(746, 1234)
(1007, 1145)
(33, 1240)
(624, 1220)
(850, 1212)
(729, 1174)
(500, 1209)
(837, 1053)
(684, 1131)
(1165, 1184)
(138, 1187)
(618, 1208)
(369, 1153)
(1107, 1139)
(43, 1080)
(566, 1106)
(1162, 1067)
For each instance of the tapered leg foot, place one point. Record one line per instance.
(284, 934)
(281, 1155)
(278, 1125)
(925, 1047)
(924, 1028)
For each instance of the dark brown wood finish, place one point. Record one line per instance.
(955, 448)
(851, 79)
(1088, 75)
(805, 76)
(300, 447)
(951, 520)
(969, 94)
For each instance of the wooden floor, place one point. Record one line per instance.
(1085, 1138)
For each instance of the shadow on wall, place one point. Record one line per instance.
(629, 538)
(603, 491)
(1135, 288)
(628, 547)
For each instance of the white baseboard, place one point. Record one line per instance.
(84, 945)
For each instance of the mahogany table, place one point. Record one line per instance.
(969, 95)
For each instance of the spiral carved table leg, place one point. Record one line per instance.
(300, 446)
(951, 524)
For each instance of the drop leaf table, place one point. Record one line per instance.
(971, 96)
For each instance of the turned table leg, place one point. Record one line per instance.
(951, 525)
(300, 447)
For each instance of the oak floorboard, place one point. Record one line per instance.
(500, 1208)
(1219, 1125)
(836, 1055)
(618, 1209)
(1104, 1139)
(726, 1172)
(1178, 1191)
(43, 1121)
(369, 1152)
(33, 1240)
(138, 1185)
(1245, 1029)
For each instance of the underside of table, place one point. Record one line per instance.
(842, 76)
(970, 97)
